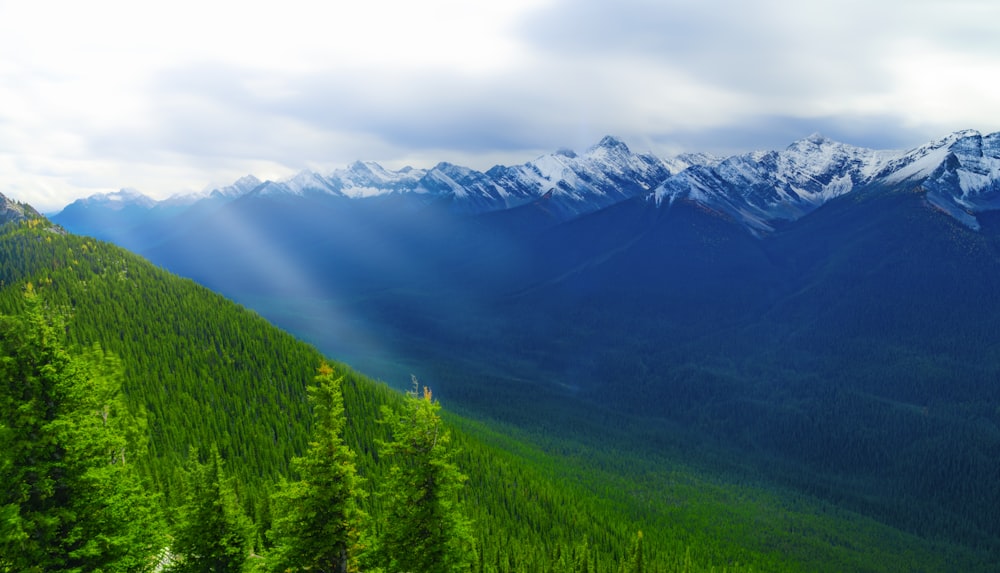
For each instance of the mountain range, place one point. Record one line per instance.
(758, 189)
(824, 314)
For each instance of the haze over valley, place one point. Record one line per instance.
(818, 316)
(499, 287)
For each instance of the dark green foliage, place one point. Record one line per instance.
(212, 534)
(208, 371)
(71, 499)
(204, 370)
(317, 518)
(423, 527)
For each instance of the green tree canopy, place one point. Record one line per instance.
(212, 534)
(71, 500)
(424, 529)
(317, 518)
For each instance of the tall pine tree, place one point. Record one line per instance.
(424, 529)
(212, 534)
(317, 518)
(70, 500)
(636, 562)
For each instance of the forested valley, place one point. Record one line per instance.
(148, 424)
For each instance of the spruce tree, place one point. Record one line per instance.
(212, 534)
(71, 500)
(424, 529)
(636, 562)
(317, 518)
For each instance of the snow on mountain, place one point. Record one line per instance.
(470, 191)
(604, 174)
(240, 187)
(571, 183)
(961, 174)
(117, 200)
(762, 187)
(964, 178)
(368, 179)
(304, 182)
(683, 161)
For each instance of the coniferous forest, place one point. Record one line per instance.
(148, 424)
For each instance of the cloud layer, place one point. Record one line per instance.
(174, 97)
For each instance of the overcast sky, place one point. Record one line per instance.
(175, 97)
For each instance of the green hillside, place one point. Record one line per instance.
(201, 372)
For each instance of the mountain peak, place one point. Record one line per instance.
(566, 152)
(247, 181)
(611, 142)
(365, 167)
(14, 210)
(817, 138)
(241, 186)
(119, 199)
(963, 133)
(812, 142)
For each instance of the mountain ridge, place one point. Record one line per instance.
(759, 189)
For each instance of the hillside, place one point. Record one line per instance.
(210, 372)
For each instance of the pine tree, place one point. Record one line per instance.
(424, 529)
(71, 500)
(317, 518)
(635, 561)
(212, 534)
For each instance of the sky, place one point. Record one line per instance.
(183, 96)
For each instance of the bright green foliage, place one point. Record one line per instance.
(317, 518)
(635, 560)
(213, 535)
(423, 529)
(70, 500)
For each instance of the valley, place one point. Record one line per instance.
(816, 323)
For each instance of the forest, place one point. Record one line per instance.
(148, 424)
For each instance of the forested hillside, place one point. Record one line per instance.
(214, 407)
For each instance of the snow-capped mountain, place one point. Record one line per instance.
(960, 173)
(241, 186)
(116, 200)
(368, 179)
(303, 183)
(760, 190)
(603, 175)
(570, 184)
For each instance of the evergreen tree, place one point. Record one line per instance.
(424, 529)
(70, 500)
(317, 518)
(213, 535)
(635, 559)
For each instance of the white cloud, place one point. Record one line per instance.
(168, 97)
